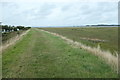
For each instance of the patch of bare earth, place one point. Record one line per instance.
(106, 55)
(93, 39)
(12, 41)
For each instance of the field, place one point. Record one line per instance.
(106, 37)
(43, 55)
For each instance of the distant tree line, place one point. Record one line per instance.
(8, 28)
(102, 25)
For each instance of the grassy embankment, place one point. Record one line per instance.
(106, 37)
(40, 54)
(8, 35)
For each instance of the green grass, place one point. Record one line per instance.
(42, 55)
(110, 34)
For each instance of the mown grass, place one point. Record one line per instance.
(110, 34)
(42, 55)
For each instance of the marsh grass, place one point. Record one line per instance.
(108, 36)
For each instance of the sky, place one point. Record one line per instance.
(58, 13)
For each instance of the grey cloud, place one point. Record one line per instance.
(52, 14)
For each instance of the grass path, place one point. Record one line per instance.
(40, 55)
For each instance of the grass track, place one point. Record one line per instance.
(40, 55)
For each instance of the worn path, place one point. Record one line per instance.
(40, 54)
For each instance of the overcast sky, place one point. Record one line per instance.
(60, 13)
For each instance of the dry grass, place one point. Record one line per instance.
(105, 36)
(106, 55)
(12, 41)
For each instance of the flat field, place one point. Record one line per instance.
(106, 37)
(42, 55)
